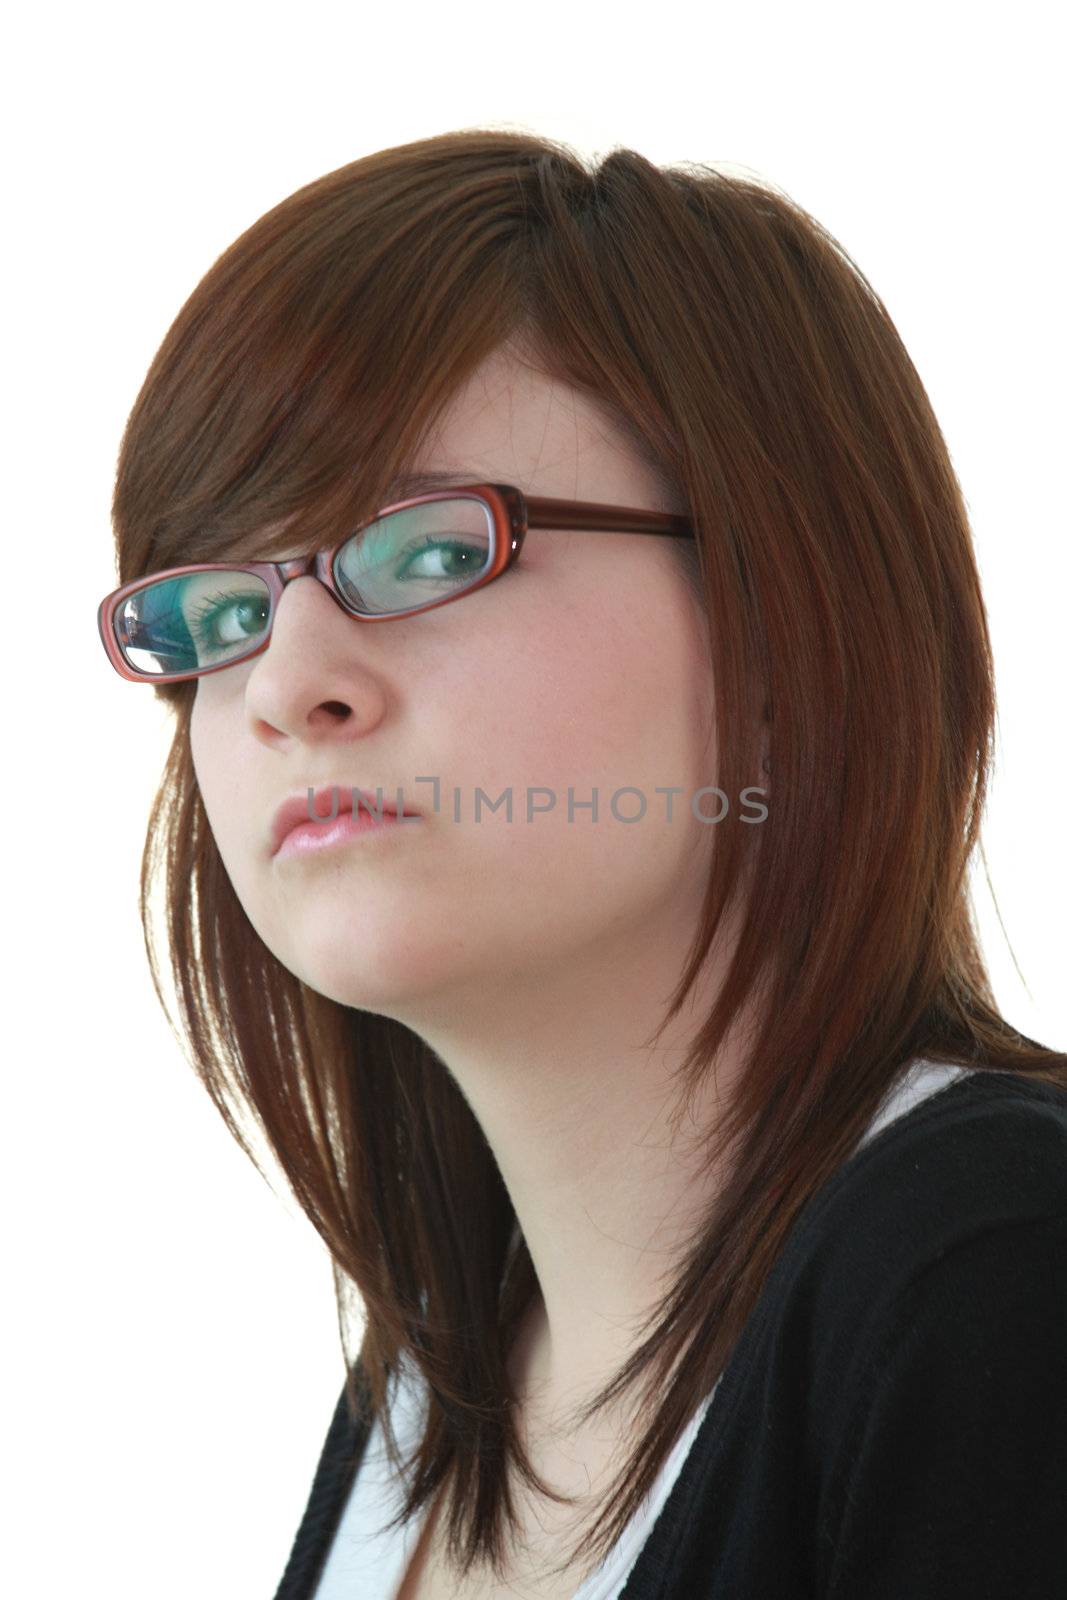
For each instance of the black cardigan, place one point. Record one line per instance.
(892, 1422)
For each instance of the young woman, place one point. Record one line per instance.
(642, 1074)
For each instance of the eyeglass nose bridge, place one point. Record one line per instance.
(309, 566)
(282, 573)
(298, 566)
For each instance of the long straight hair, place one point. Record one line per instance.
(759, 375)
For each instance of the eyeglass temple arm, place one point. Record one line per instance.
(582, 516)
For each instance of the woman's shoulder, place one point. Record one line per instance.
(974, 1171)
(983, 1147)
(939, 1316)
(984, 1150)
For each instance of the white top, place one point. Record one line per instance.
(365, 1563)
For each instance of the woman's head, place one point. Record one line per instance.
(670, 339)
(582, 673)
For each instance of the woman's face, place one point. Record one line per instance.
(582, 670)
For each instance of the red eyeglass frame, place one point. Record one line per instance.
(513, 514)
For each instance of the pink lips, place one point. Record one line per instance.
(295, 830)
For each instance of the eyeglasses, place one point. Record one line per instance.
(412, 556)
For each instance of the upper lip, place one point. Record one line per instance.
(295, 809)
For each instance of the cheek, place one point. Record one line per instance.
(212, 743)
(608, 698)
(205, 744)
(600, 705)
(201, 748)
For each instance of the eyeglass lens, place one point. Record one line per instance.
(394, 565)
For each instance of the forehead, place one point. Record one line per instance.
(511, 422)
(522, 426)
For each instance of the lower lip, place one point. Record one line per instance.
(310, 836)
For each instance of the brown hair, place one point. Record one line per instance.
(756, 370)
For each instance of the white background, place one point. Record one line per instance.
(171, 1357)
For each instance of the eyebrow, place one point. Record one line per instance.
(401, 487)
(406, 484)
